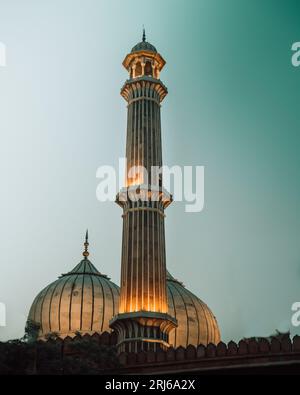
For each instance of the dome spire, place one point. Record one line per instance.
(144, 34)
(86, 245)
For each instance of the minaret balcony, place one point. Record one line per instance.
(138, 85)
(143, 330)
(143, 193)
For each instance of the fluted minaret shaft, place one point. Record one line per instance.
(143, 147)
(143, 275)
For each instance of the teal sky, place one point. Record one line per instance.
(233, 106)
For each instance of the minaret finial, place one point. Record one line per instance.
(144, 34)
(86, 245)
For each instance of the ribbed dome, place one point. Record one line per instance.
(143, 46)
(196, 323)
(83, 300)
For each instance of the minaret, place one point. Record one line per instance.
(143, 322)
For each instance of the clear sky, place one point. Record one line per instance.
(233, 106)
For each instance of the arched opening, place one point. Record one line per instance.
(138, 70)
(148, 69)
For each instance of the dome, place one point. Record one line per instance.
(196, 323)
(144, 46)
(83, 300)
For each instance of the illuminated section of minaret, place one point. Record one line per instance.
(143, 322)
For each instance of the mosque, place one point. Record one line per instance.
(151, 309)
(156, 323)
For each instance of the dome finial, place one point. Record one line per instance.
(86, 245)
(144, 34)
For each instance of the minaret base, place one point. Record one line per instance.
(143, 331)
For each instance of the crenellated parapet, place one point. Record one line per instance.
(252, 355)
(222, 354)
